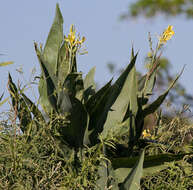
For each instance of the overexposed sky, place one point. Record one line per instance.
(107, 38)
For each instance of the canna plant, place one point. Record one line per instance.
(76, 114)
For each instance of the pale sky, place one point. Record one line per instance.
(107, 38)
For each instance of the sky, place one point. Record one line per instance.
(107, 38)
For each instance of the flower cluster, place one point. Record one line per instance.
(146, 133)
(72, 40)
(166, 35)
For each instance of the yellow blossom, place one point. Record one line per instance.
(149, 55)
(72, 40)
(146, 133)
(166, 35)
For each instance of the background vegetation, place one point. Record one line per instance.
(78, 137)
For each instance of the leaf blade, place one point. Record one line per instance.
(132, 181)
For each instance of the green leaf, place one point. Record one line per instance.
(74, 84)
(73, 131)
(129, 123)
(50, 64)
(106, 175)
(20, 107)
(103, 180)
(46, 83)
(141, 82)
(1, 97)
(132, 181)
(155, 105)
(5, 63)
(121, 173)
(133, 88)
(4, 101)
(89, 79)
(86, 140)
(89, 84)
(33, 108)
(13, 91)
(63, 103)
(63, 66)
(94, 106)
(78, 122)
(95, 100)
(149, 161)
(123, 92)
(45, 104)
(106, 178)
(53, 43)
(100, 104)
(91, 133)
(42, 87)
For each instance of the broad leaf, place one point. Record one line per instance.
(63, 102)
(106, 179)
(122, 93)
(53, 43)
(72, 132)
(33, 108)
(89, 79)
(130, 117)
(63, 66)
(89, 84)
(74, 84)
(42, 87)
(149, 161)
(45, 104)
(121, 173)
(46, 83)
(132, 181)
(95, 100)
(94, 106)
(21, 109)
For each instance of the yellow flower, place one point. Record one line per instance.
(146, 133)
(71, 39)
(149, 55)
(166, 35)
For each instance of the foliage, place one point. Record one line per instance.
(71, 147)
(177, 175)
(70, 102)
(171, 142)
(151, 8)
(40, 164)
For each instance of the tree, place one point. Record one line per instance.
(150, 8)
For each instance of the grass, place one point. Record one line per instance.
(42, 163)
